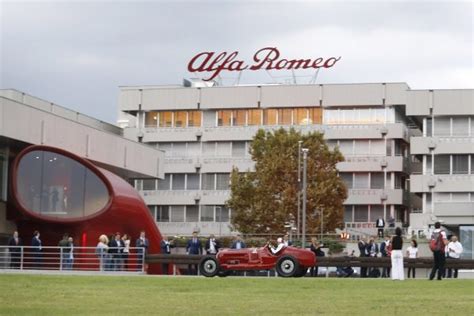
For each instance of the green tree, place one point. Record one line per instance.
(262, 201)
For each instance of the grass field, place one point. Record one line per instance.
(141, 295)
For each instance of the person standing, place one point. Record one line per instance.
(372, 251)
(116, 249)
(101, 252)
(380, 224)
(454, 253)
(212, 246)
(142, 245)
(14, 247)
(385, 250)
(238, 243)
(397, 255)
(126, 250)
(362, 245)
(37, 249)
(412, 253)
(316, 247)
(165, 247)
(63, 249)
(438, 243)
(193, 247)
(70, 253)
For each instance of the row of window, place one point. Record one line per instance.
(449, 197)
(372, 180)
(373, 147)
(449, 126)
(271, 116)
(368, 213)
(450, 164)
(205, 149)
(186, 181)
(190, 213)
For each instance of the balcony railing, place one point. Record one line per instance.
(72, 259)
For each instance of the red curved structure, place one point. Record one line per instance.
(123, 210)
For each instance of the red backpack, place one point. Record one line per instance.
(436, 242)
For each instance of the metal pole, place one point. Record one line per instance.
(300, 142)
(303, 218)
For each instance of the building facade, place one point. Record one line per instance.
(206, 130)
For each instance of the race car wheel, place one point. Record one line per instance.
(287, 266)
(209, 267)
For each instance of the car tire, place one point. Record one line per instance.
(209, 266)
(287, 266)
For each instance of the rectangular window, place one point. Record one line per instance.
(361, 213)
(192, 213)
(347, 178)
(194, 118)
(300, 116)
(441, 164)
(208, 181)
(376, 212)
(238, 149)
(377, 180)
(442, 126)
(460, 197)
(222, 214)
(239, 117)
(151, 119)
(166, 119)
(178, 181)
(162, 213)
(315, 115)
(177, 213)
(179, 149)
(192, 181)
(429, 165)
(224, 118)
(460, 126)
(377, 147)
(149, 184)
(223, 149)
(269, 117)
(164, 184)
(460, 164)
(152, 209)
(361, 147)
(209, 118)
(429, 127)
(222, 181)
(284, 116)
(348, 213)
(207, 213)
(389, 147)
(209, 149)
(254, 117)
(194, 149)
(442, 197)
(180, 119)
(346, 147)
(361, 181)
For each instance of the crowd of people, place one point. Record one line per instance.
(113, 251)
(443, 247)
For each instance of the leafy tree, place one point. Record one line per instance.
(264, 200)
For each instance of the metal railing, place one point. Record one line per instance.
(72, 259)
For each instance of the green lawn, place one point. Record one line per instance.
(142, 295)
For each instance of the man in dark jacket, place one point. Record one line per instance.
(116, 250)
(238, 243)
(14, 244)
(362, 244)
(165, 247)
(385, 251)
(193, 247)
(37, 248)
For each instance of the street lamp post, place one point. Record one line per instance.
(300, 142)
(303, 217)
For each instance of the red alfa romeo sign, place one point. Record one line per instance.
(267, 58)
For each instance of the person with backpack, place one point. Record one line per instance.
(438, 243)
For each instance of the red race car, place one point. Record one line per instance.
(288, 261)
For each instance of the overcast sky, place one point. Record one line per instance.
(77, 53)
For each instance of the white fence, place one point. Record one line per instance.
(72, 259)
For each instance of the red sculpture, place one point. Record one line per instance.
(56, 192)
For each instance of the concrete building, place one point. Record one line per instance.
(26, 120)
(205, 130)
